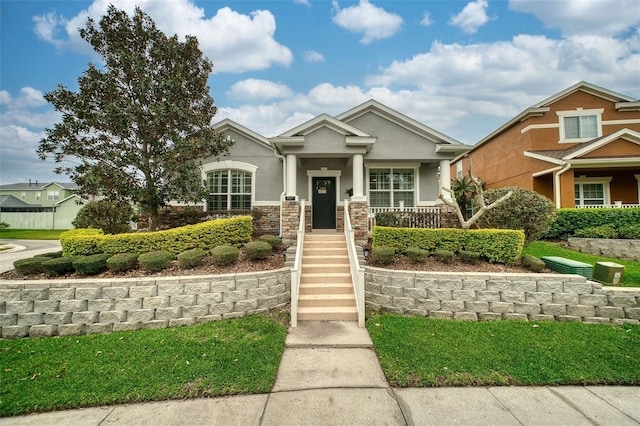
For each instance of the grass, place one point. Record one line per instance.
(631, 276)
(423, 352)
(30, 234)
(239, 356)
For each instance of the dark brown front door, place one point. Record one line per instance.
(324, 203)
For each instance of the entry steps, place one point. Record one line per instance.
(326, 290)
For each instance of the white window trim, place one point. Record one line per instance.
(579, 112)
(459, 172)
(38, 195)
(232, 165)
(324, 172)
(604, 180)
(416, 176)
(53, 195)
(638, 179)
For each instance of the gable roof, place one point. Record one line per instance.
(250, 134)
(623, 103)
(35, 186)
(324, 120)
(563, 156)
(9, 201)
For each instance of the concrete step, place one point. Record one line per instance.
(312, 236)
(329, 288)
(338, 245)
(324, 268)
(326, 300)
(313, 278)
(345, 313)
(307, 251)
(313, 259)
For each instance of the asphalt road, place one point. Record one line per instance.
(25, 249)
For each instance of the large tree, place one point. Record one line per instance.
(140, 123)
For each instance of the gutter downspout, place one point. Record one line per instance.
(284, 180)
(556, 188)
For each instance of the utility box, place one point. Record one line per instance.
(568, 266)
(608, 273)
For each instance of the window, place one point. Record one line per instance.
(53, 195)
(459, 169)
(38, 195)
(580, 125)
(591, 191)
(388, 187)
(229, 190)
(23, 195)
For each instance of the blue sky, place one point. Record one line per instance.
(462, 68)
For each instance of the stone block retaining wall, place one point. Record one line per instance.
(618, 248)
(482, 296)
(74, 307)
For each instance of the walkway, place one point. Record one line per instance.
(329, 375)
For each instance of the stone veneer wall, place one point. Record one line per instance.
(269, 222)
(290, 221)
(618, 248)
(482, 296)
(74, 307)
(359, 215)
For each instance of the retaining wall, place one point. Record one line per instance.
(618, 248)
(482, 296)
(41, 308)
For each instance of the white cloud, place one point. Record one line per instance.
(426, 19)
(235, 42)
(472, 17)
(372, 21)
(304, 2)
(311, 56)
(258, 90)
(594, 17)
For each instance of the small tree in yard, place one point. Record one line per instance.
(474, 187)
(111, 217)
(139, 126)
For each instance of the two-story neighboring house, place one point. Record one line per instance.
(34, 205)
(579, 147)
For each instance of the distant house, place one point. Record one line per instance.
(579, 148)
(36, 205)
(370, 154)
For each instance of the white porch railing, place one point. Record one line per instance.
(357, 273)
(610, 206)
(297, 268)
(411, 217)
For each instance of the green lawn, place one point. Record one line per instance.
(238, 356)
(422, 352)
(631, 276)
(30, 234)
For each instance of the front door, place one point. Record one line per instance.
(323, 209)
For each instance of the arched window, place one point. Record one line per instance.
(229, 190)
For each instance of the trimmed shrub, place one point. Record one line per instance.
(471, 257)
(123, 262)
(409, 219)
(417, 255)
(30, 266)
(225, 255)
(631, 232)
(91, 265)
(81, 242)
(444, 256)
(155, 261)
(111, 216)
(568, 221)
(191, 258)
(52, 255)
(58, 266)
(602, 231)
(382, 255)
(258, 250)
(533, 263)
(273, 240)
(525, 209)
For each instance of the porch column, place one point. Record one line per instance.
(445, 178)
(358, 173)
(291, 175)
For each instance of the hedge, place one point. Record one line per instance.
(569, 221)
(234, 231)
(495, 245)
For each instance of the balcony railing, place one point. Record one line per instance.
(609, 206)
(409, 217)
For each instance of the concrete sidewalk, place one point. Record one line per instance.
(329, 375)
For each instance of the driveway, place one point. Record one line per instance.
(23, 249)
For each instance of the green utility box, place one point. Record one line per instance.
(568, 266)
(608, 273)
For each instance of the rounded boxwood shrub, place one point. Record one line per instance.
(382, 255)
(533, 263)
(91, 265)
(30, 266)
(58, 266)
(273, 240)
(123, 262)
(225, 255)
(602, 231)
(417, 255)
(191, 258)
(258, 250)
(444, 256)
(52, 255)
(471, 257)
(155, 260)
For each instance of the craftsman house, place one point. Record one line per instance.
(579, 148)
(371, 155)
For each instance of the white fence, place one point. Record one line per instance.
(357, 272)
(297, 267)
(409, 217)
